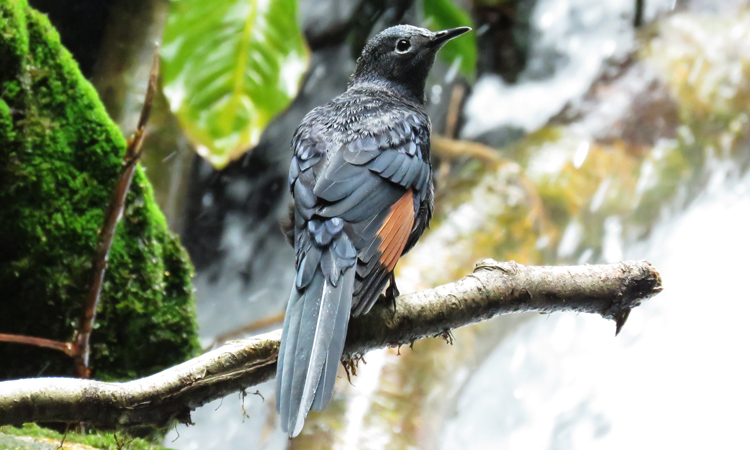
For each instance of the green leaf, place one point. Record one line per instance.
(444, 14)
(229, 67)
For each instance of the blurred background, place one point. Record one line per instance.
(564, 132)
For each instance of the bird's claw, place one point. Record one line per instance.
(391, 293)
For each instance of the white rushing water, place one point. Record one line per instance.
(573, 41)
(676, 377)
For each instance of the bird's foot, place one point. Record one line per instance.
(391, 293)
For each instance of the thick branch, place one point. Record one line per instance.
(610, 290)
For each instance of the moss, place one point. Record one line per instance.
(14, 44)
(59, 158)
(44, 438)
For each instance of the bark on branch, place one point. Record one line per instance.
(610, 290)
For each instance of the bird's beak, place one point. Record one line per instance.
(441, 37)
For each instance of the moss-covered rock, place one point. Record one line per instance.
(59, 158)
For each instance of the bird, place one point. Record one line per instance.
(362, 189)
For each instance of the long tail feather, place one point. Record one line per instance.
(311, 346)
(293, 300)
(336, 349)
(288, 348)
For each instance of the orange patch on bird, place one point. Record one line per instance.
(396, 229)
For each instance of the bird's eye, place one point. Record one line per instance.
(403, 46)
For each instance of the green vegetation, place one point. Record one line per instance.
(59, 158)
(444, 14)
(230, 66)
(35, 437)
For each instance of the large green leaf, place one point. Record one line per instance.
(444, 14)
(229, 66)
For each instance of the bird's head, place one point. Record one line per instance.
(402, 55)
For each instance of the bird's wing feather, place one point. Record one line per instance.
(354, 211)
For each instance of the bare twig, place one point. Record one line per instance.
(638, 14)
(65, 347)
(82, 345)
(453, 149)
(610, 290)
(249, 328)
(451, 126)
(454, 109)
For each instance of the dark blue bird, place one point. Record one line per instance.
(362, 186)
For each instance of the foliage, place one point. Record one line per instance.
(59, 158)
(444, 14)
(98, 440)
(229, 67)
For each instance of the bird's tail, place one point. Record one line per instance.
(314, 332)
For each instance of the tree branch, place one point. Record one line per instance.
(65, 347)
(610, 290)
(266, 322)
(82, 346)
(453, 149)
(638, 15)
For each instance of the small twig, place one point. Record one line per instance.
(351, 364)
(454, 108)
(65, 435)
(243, 394)
(245, 329)
(452, 149)
(65, 347)
(451, 125)
(638, 16)
(125, 442)
(82, 345)
(447, 337)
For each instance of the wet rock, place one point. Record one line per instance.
(325, 21)
(503, 30)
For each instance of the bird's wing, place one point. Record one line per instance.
(354, 209)
(376, 184)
